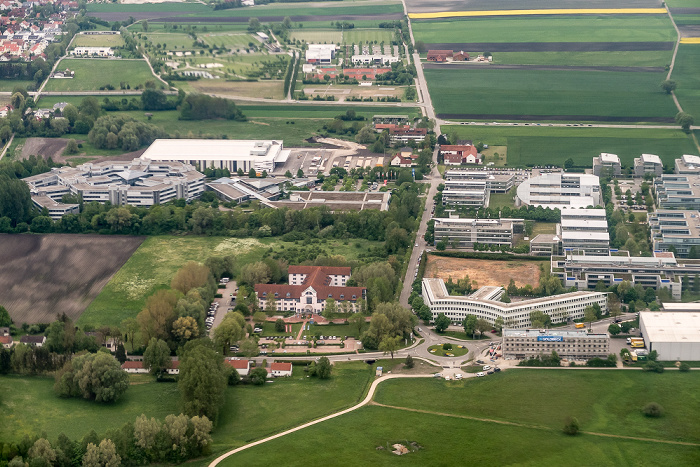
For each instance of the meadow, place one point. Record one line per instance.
(502, 93)
(537, 145)
(170, 40)
(330, 10)
(98, 40)
(655, 58)
(349, 36)
(91, 74)
(228, 39)
(686, 74)
(584, 28)
(8, 85)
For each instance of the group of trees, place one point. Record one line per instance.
(390, 324)
(204, 107)
(111, 131)
(93, 376)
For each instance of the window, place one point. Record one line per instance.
(308, 300)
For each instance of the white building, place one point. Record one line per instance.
(675, 336)
(584, 231)
(220, 153)
(484, 303)
(648, 164)
(496, 182)
(93, 52)
(675, 230)
(606, 165)
(375, 59)
(320, 54)
(572, 345)
(558, 190)
(466, 232)
(688, 164)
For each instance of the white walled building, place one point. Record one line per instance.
(648, 164)
(606, 165)
(466, 232)
(559, 190)
(675, 336)
(93, 52)
(484, 304)
(573, 345)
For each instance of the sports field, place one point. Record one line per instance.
(606, 28)
(93, 73)
(502, 93)
(536, 145)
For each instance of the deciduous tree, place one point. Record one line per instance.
(202, 381)
(157, 356)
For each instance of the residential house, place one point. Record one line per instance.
(34, 341)
(440, 55)
(241, 366)
(459, 154)
(278, 369)
(6, 341)
(134, 366)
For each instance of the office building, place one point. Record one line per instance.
(688, 165)
(677, 191)
(606, 165)
(570, 345)
(560, 190)
(496, 182)
(677, 231)
(463, 233)
(648, 164)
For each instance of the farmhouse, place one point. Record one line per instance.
(648, 164)
(459, 154)
(241, 366)
(33, 341)
(5, 338)
(484, 303)
(309, 288)
(279, 369)
(228, 154)
(141, 182)
(134, 367)
(93, 51)
(557, 190)
(573, 345)
(440, 55)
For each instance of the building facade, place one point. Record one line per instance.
(648, 164)
(677, 191)
(606, 165)
(584, 231)
(677, 231)
(463, 233)
(688, 165)
(496, 182)
(484, 304)
(559, 190)
(571, 345)
(675, 336)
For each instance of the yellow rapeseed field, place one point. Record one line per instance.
(555, 11)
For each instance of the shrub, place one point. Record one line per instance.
(654, 366)
(652, 409)
(409, 362)
(447, 346)
(571, 426)
(684, 367)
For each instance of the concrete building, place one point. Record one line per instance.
(675, 336)
(337, 201)
(309, 288)
(496, 182)
(374, 59)
(220, 153)
(93, 51)
(606, 165)
(484, 303)
(320, 54)
(584, 231)
(558, 190)
(571, 345)
(659, 271)
(465, 232)
(141, 182)
(477, 196)
(677, 230)
(678, 191)
(545, 245)
(648, 164)
(687, 164)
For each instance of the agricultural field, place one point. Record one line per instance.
(535, 145)
(484, 272)
(543, 94)
(169, 40)
(154, 264)
(323, 111)
(350, 36)
(91, 74)
(8, 85)
(686, 73)
(583, 28)
(651, 58)
(228, 40)
(605, 402)
(421, 6)
(269, 89)
(98, 40)
(311, 11)
(45, 275)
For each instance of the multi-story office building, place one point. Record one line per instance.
(606, 165)
(465, 232)
(584, 231)
(648, 164)
(677, 231)
(484, 303)
(571, 345)
(687, 164)
(560, 190)
(678, 191)
(496, 182)
(475, 197)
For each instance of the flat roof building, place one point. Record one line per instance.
(606, 165)
(584, 231)
(674, 336)
(678, 191)
(572, 345)
(477, 196)
(558, 190)
(648, 164)
(484, 304)
(677, 230)
(337, 200)
(687, 164)
(261, 155)
(496, 182)
(320, 54)
(464, 233)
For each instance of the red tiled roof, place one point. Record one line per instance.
(408, 131)
(329, 270)
(132, 364)
(316, 277)
(238, 364)
(447, 53)
(276, 366)
(456, 147)
(5, 339)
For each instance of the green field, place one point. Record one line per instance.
(91, 74)
(350, 36)
(549, 92)
(170, 40)
(655, 58)
(324, 111)
(537, 145)
(584, 28)
(361, 7)
(98, 40)
(8, 85)
(228, 40)
(341, 330)
(146, 7)
(686, 73)
(155, 262)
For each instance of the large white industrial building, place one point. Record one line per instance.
(484, 303)
(220, 153)
(559, 190)
(675, 336)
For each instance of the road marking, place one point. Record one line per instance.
(554, 11)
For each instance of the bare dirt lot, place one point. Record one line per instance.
(484, 272)
(45, 147)
(44, 275)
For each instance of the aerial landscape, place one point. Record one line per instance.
(349, 232)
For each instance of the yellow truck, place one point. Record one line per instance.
(580, 325)
(637, 342)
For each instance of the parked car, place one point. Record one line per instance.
(480, 374)
(496, 369)
(486, 367)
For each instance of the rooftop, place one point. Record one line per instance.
(215, 149)
(650, 159)
(670, 326)
(609, 158)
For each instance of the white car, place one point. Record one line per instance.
(480, 374)
(486, 367)
(459, 376)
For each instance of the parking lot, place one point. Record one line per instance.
(314, 161)
(220, 306)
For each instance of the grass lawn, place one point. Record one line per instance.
(228, 39)
(531, 144)
(449, 441)
(92, 73)
(98, 40)
(170, 41)
(341, 330)
(603, 401)
(498, 200)
(544, 228)
(649, 58)
(269, 330)
(456, 350)
(350, 36)
(583, 28)
(268, 89)
(686, 74)
(8, 85)
(30, 406)
(549, 92)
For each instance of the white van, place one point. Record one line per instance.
(486, 367)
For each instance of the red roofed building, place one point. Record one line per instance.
(241, 366)
(406, 134)
(361, 74)
(281, 369)
(309, 288)
(440, 55)
(460, 57)
(134, 366)
(458, 154)
(6, 341)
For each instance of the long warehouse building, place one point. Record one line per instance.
(675, 336)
